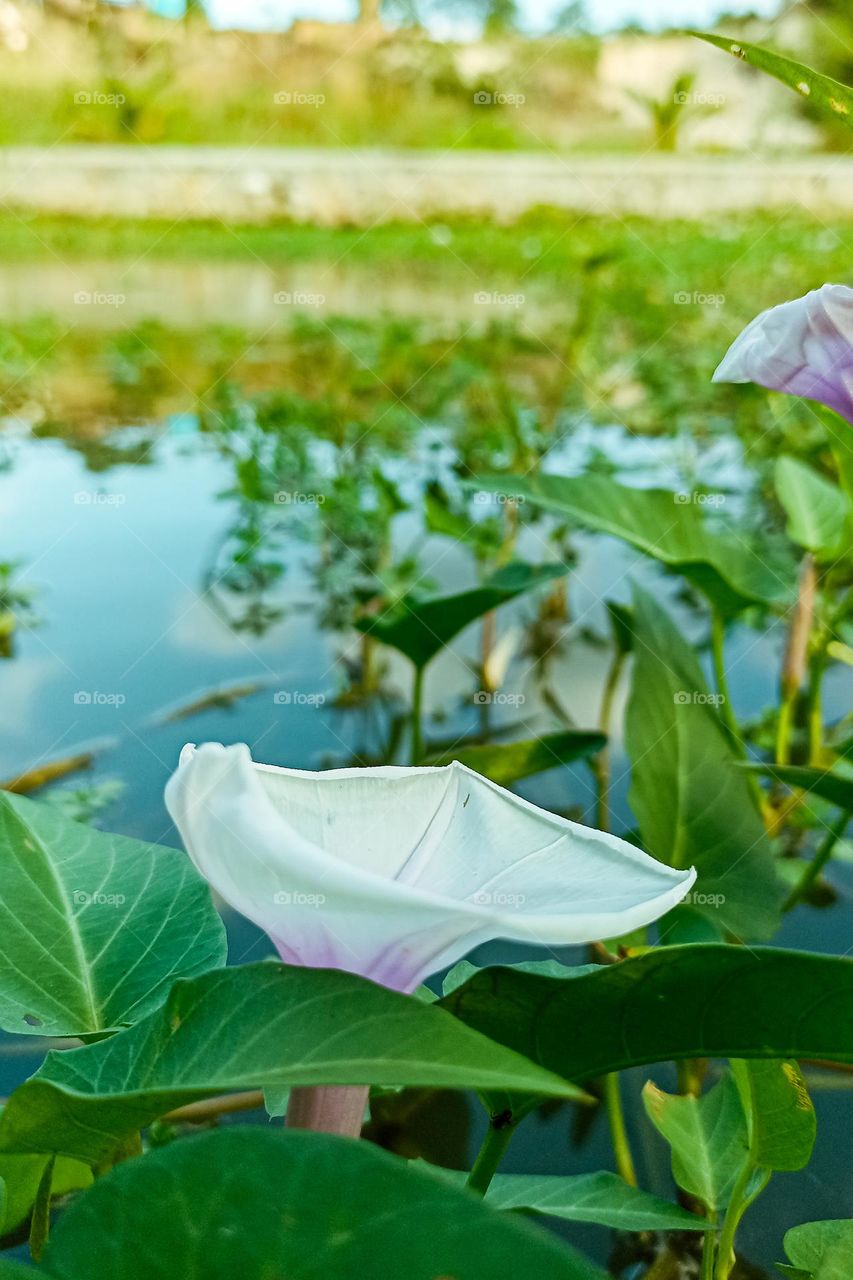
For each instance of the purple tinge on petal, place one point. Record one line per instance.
(803, 348)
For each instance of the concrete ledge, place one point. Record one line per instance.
(362, 187)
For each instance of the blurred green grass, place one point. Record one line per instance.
(640, 313)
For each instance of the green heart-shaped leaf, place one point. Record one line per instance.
(703, 1000)
(261, 1204)
(95, 927)
(419, 628)
(247, 1028)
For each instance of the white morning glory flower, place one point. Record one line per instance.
(394, 873)
(804, 347)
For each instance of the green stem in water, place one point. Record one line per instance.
(817, 669)
(784, 727)
(718, 637)
(822, 855)
(727, 714)
(796, 656)
(417, 715)
(602, 763)
(497, 1139)
(618, 1131)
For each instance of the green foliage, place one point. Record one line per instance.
(216, 1223)
(96, 927)
(693, 805)
(668, 526)
(828, 96)
(248, 1027)
(22, 1176)
(732, 1002)
(820, 1250)
(420, 628)
(727, 1143)
(602, 1198)
(828, 784)
(781, 1125)
(509, 762)
(817, 510)
(708, 1138)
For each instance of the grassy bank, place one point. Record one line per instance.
(750, 248)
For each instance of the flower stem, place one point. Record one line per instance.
(328, 1108)
(709, 1249)
(783, 729)
(618, 1131)
(601, 769)
(795, 657)
(727, 715)
(817, 669)
(822, 855)
(741, 1199)
(417, 713)
(495, 1143)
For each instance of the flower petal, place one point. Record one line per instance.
(395, 873)
(804, 348)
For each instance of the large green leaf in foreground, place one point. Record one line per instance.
(95, 927)
(248, 1027)
(831, 96)
(699, 1001)
(658, 523)
(692, 803)
(262, 1204)
(420, 627)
